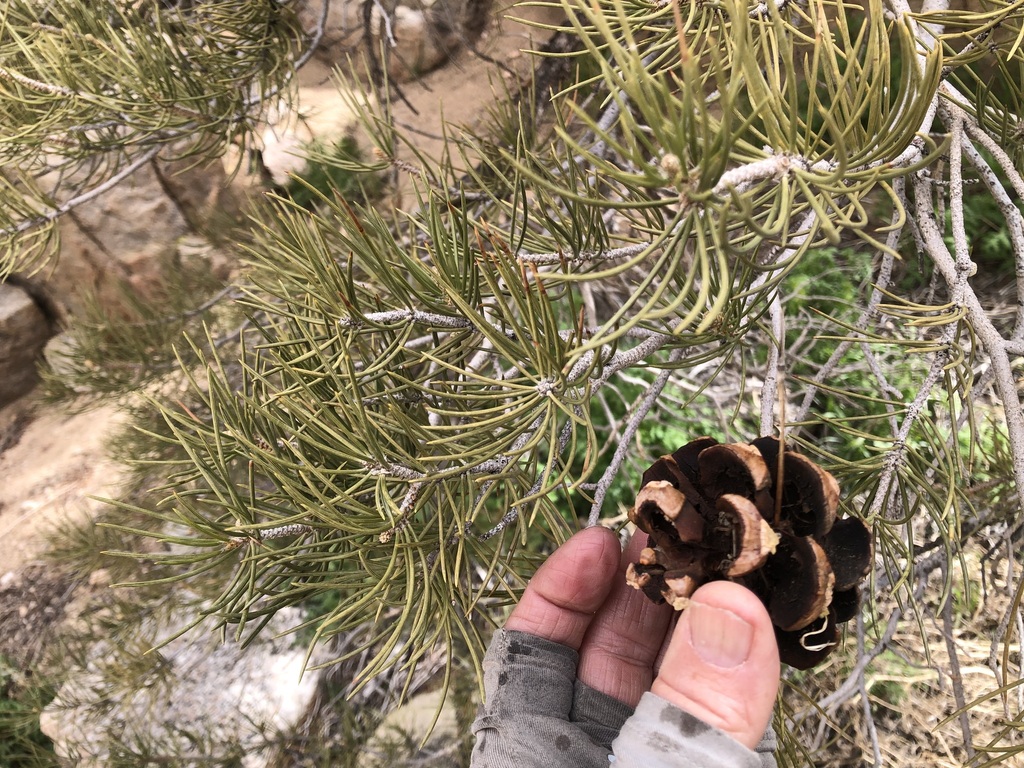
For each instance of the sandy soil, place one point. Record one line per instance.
(459, 93)
(51, 462)
(457, 96)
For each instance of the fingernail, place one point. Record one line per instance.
(719, 637)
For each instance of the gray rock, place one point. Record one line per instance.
(24, 330)
(201, 697)
(321, 113)
(428, 720)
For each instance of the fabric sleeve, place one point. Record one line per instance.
(660, 735)
(538, 715)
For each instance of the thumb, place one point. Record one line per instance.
(722, 662)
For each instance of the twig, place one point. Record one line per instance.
(513, 514)
(637, 413)
(770, 387)
(977, 134)
(495, 466)
(893, 460)
(605, 122)
(624, 252)
(956, 280)
(612, 112)
(630, 357)
(85, 197)
(955, 677)
(883, 384)
(956, 211)
(405, 510)
(947, 70)
(743, 177)
(1018, 622)
(280, 532)
(986, 332)
(850, 686)
(1012, 611)
(385, 16)
(1011, 215)
(866, 318)
(407, 316)
(318, 36)
(374, 469)
(35, 85)
(229, 291)
(381, 82)
(865, 699)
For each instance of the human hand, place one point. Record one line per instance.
(718, 662)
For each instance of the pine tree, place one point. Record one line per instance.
(746, 219)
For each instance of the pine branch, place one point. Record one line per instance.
(639, 411)
(994, 344)
(85, 197)
(90, 85)
(408, 411)
(773, 368)
(35, 85)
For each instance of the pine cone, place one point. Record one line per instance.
(710, 511)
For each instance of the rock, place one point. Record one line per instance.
(128, 238)
(201, 193)
(425, 38)
(54, 473)
(32, 603)
(59, 354)
(115, 240)
(418, 35)
(342, 29)
(24, 330)
(200, 695)
(428, 720)
(320, 113)
(196, 252)
(100, 579)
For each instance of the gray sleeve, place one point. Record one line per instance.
(536, 714)
(660, 735)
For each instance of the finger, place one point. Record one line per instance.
(562, 597)
(617, 656)
(722, 664)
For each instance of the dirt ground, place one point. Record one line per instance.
(51, 463)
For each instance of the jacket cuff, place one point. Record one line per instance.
(660, 735)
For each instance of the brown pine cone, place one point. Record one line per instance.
(715, 511)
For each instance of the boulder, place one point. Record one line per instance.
(200, 696)
(126, 238)
(428, 720)
(24, 329)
